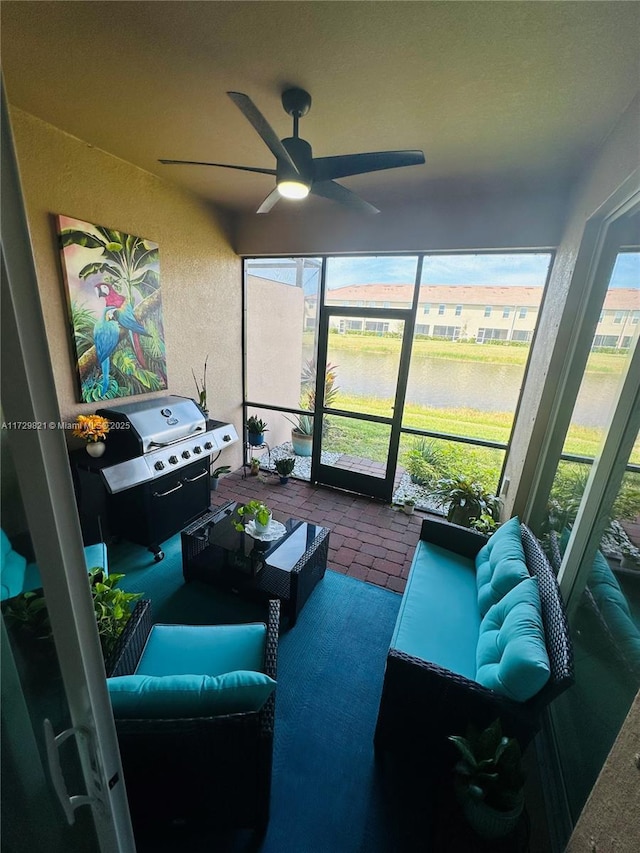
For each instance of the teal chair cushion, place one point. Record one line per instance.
(512, 656)
(183, 696)
(438, 619)
(95, 556)
(500, 565)
(12, 568)
(202, 649)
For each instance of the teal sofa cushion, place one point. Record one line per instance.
(438, 619)
(12, 568)
(614, 609)
(95, 556)
(500, 565)
(202, 649)
(182, 696)
(512, 657)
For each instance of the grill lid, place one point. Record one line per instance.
(159, 421)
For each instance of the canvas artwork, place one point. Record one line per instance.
(115, 307)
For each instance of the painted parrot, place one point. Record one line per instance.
(124, 316)
(106, 335)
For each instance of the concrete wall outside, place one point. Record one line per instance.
(200, 274)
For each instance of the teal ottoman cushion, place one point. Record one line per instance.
(500, 565)
(512, 656)
(12, 568)
(182, 696)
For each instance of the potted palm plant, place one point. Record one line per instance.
(302, 435)
(256, 429)
(489, 781)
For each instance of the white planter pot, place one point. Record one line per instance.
(96, 448)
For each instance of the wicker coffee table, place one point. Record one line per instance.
(288, 568)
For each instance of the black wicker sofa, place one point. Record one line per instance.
(430, 688)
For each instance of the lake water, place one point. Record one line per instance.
(438, 383)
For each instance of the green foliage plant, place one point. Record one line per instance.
(201, 386)
(112, 607)
(285, 466)
(465, 500)
(253, 509)
(223, 469)
(256, 426)
(489, 768)
(424, 462)
(303, 424)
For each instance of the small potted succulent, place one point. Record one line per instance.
(489, 781)
(254, 466)
(216, 474)
(409, 506)
(284, 467)
(256, 429)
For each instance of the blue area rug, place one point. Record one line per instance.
(327, 796)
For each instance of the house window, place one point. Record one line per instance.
(452, 333)
(601, 317)
(506, 313)
(426, 309)
(618, 317)
(525, 337)
(492, 334)
(376, 326)
(487, 311)
(360, 304)
(421, 329)
(635, 317)
(605, 340)
(458, 310)
(522, 313)
(388, 305)
(441, 309)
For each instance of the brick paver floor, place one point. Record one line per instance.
(369, 540)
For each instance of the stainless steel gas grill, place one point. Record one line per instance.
(156, 469)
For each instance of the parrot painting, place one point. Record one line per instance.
(106, 335)
(123, 314)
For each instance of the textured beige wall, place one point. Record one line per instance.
(610, 820)
(200, 274)
(618, 158)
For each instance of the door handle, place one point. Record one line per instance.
(164, 494)
(193, 479)
(53, 742)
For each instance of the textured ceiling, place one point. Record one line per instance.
(507, 92)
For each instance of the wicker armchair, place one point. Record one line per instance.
(423, 703)
(215, 768)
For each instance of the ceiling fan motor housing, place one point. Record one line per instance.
(302, 156)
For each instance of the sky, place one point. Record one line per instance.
(504, 270)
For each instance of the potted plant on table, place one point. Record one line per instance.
(256, 510)
(489, 781)
(284, 467)
(256, 429)
(465, 500)
(216, 474)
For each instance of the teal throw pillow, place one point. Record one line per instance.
(182, 696)
(500, 565)
(511, 655)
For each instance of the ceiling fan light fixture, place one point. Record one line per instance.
(293, 189)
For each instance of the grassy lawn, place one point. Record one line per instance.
(599, 362)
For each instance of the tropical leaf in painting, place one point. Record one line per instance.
(126, 363)
(69, 236)
(147, 282)
(92, 389)
(83, 320)
(96, 267)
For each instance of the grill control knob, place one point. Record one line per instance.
(197, 449)
(186, 454)
(226, 438)
(208, 445)
(159, 465)
(173, 460)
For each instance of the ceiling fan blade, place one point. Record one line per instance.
(328, 168)
(222, 165)
(336, 192)
(273, 197)
(264, 129)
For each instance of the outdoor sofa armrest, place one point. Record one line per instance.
(453, 537)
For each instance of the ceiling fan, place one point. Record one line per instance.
(297, 171)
